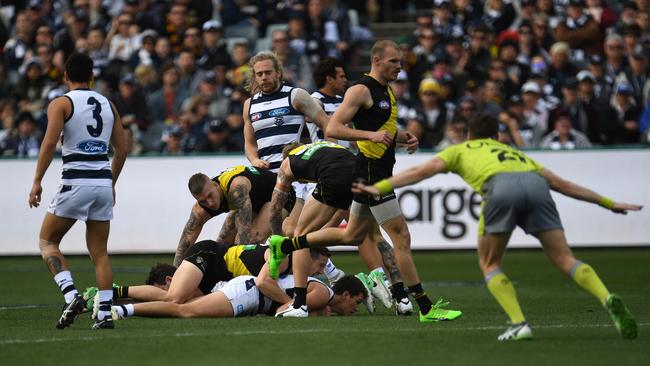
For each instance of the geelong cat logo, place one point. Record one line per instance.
(256, 116)
(278, 112)
(92, 146)
(384, 104)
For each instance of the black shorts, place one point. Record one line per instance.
(335, 194)
(207, 255)
(369, 171)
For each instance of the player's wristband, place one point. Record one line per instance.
(384, 186)
(608, 203)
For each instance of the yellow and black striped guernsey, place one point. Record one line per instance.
(382, 115)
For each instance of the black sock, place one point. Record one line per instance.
(300, 296)
(398, 291)
(120, 292)
(291, 244)
(421, 298)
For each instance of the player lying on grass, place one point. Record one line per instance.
(207, 263)
(516, 192)
(331, 166)
(241, 297)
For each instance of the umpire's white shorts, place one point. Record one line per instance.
(85, 203)
(243, 295)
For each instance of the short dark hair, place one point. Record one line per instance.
(197, 182)
(290, 146)
(350, 284)
(79, 68)
(327, 67)
(316, 252)
(381, 46)
(483, 126)
(159, 273)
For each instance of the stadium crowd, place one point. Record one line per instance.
(558, 74)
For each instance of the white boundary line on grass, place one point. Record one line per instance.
(282, 332)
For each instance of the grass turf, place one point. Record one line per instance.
(568, 324)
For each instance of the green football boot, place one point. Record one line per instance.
(276, 258)
(437, 313)
(621, 316)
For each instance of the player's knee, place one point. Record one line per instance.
(47, 246)
(564, 262)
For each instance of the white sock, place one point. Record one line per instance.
(63, 279)
(330, 270)
(124, 310)
(105, 302)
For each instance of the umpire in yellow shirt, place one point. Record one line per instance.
(516, 192)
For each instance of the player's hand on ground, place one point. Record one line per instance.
(360, 188)
(259, 163)
(412, 143)
(381, 136)
(35, 195)
(623, 208)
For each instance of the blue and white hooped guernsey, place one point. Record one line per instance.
(276, 123)
(85, 140)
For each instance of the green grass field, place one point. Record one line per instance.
(568, 324)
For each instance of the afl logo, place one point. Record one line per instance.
(278, 112)
(92, 146)
(384, 105)
(256, 116)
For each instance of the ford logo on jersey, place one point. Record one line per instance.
(278, 112)
(384, 104)
(92, 146)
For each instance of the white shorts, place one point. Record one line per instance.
(243, 295)
(85, 203)
(303, 190)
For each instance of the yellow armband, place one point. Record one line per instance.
(384, 186)
(608, 203)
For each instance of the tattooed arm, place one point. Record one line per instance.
(240, 200)
(280, 195)
(191, 231)
(389, 261)
(228, 230)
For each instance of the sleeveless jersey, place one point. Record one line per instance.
(316, 162)
(330, 105)
(262, 184)
(85, 139)
(276, 123)
(382, 115)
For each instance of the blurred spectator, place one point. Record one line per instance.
(65, 39)
(527, 47)
(31, 88)
(637, 76)
(17, 46)
(432, 115)
(53, 73)
(564, 136)
(466, 12)
(480, 55)
(192, 41)
(406, 112)
(176, 25)
(190, 74)
(296, 67)
(241, 70)
(525, 15)
(482, 105)
(24, 140)
(593, 110)
(146, 55)
(535, 122)
(498, 15)
(216, 139)
(97, 51)
(163, 51)
(509, 122)
(7, 118)
(44, 36)
(601, 13)
(561, 68)
(131, 104)
(244, 18)
(465, 111)
(455, 133)
(214, 47)
(442, 18)
(172, 141)
(616, 62)
(579, 30)
(515, 72)
(165, 104)
(543, 38)
(122, 38)
(603, 82)
(626, 130)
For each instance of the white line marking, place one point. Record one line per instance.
(290, 331)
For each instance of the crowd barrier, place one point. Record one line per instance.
(153, 203)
